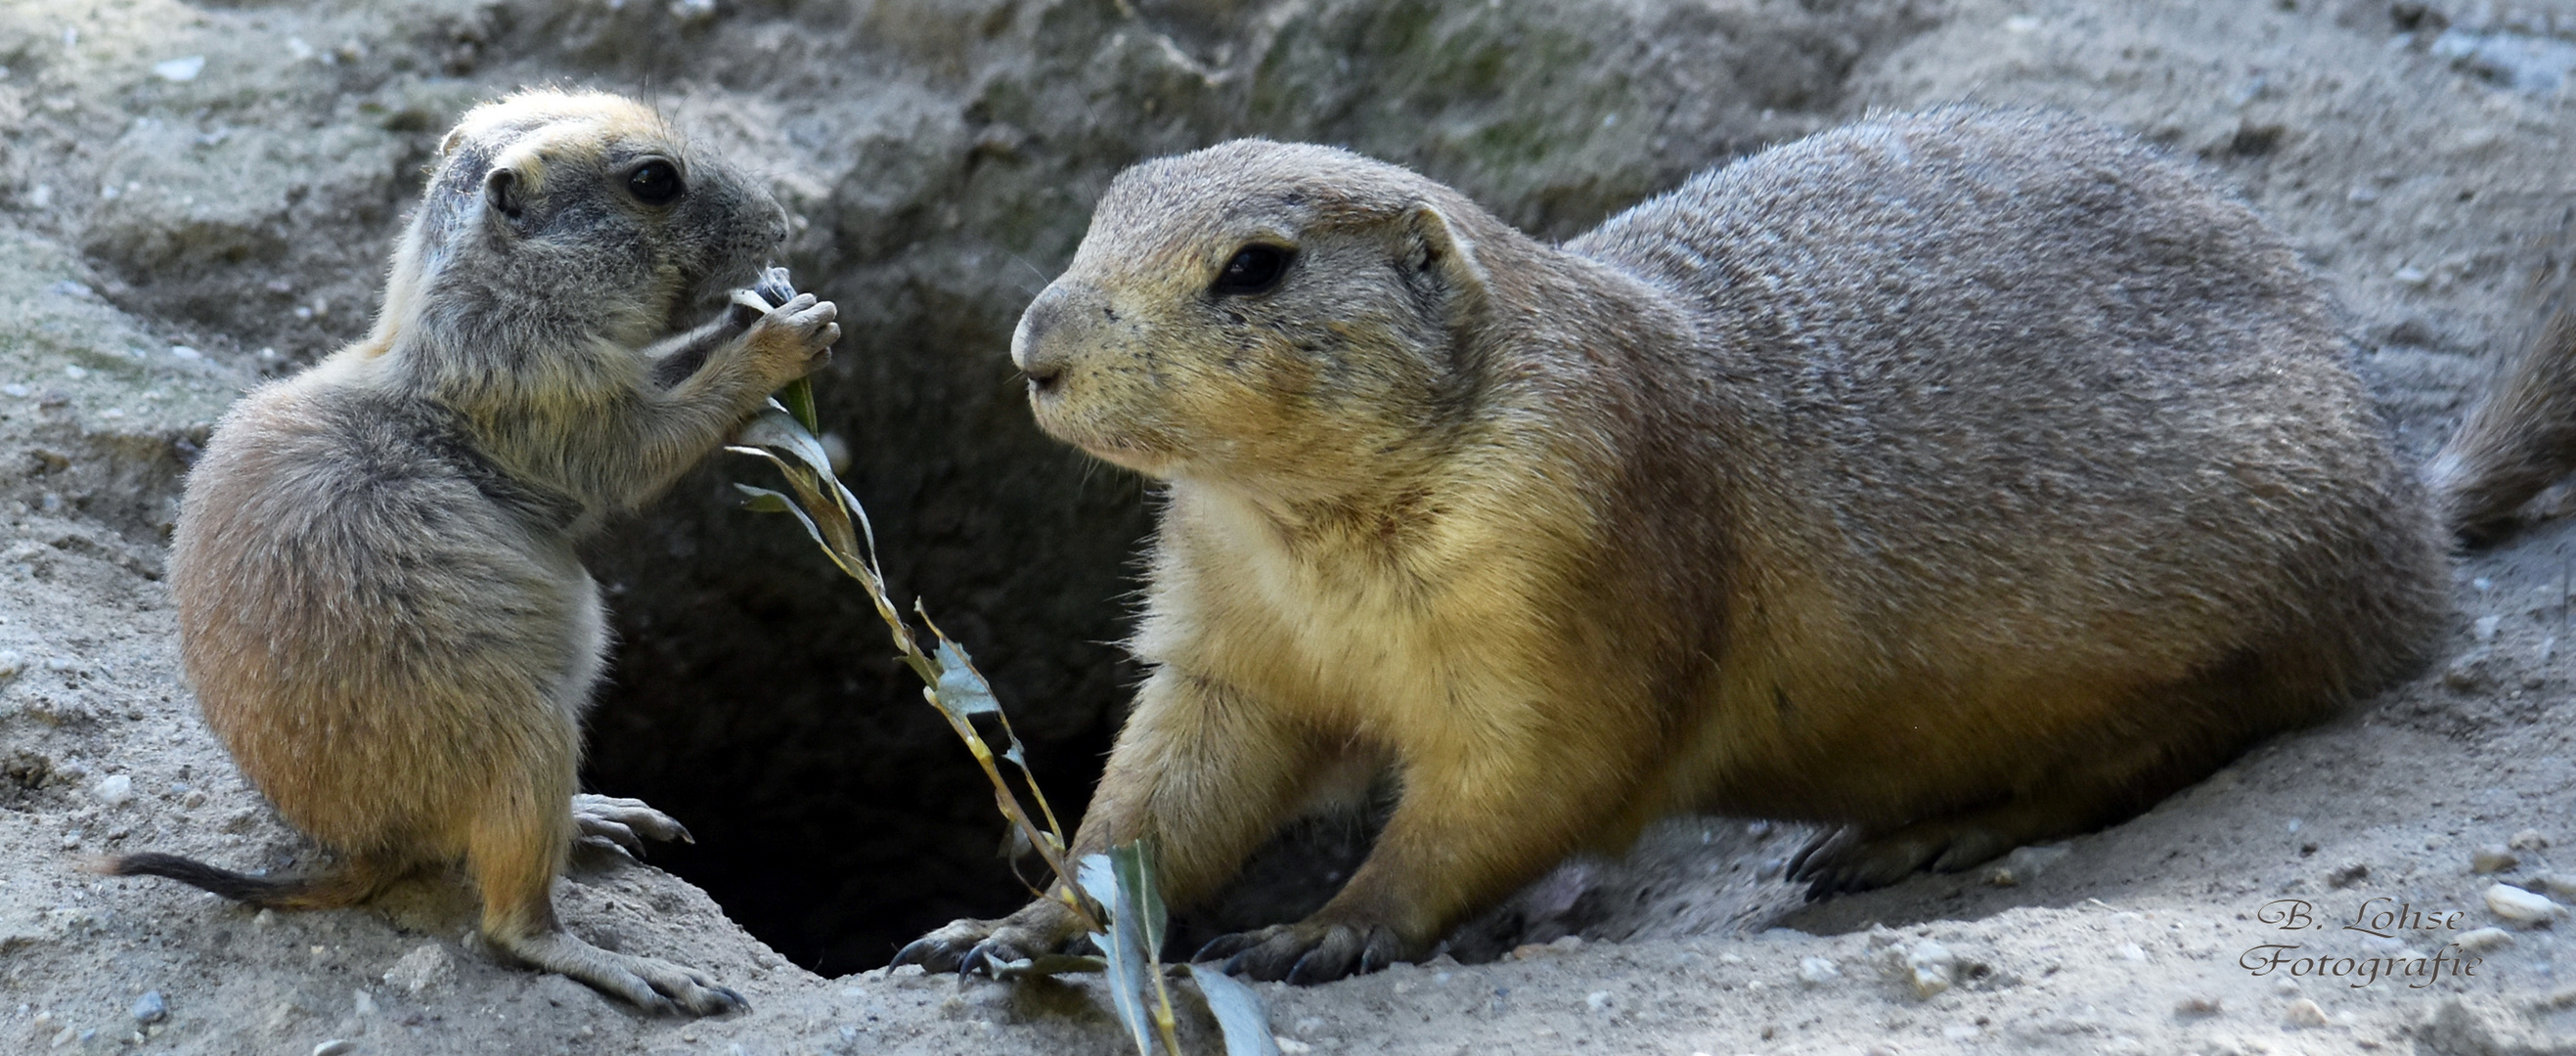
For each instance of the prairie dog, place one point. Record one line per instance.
(380, 607)
(1955, 480)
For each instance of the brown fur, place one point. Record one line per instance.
(1954, 480)
(380, 608)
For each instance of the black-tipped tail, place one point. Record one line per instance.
(2518, 439)
(290, 892)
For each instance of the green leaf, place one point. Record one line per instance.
(799, 398)
(767, 501)
(776, 429)
(1240, 1016)
(1129, 978)
(1135, 865)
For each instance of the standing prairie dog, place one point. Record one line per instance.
(380, 607)
(1954, 480)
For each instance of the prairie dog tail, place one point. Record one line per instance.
(2521, 435)
(348, 885)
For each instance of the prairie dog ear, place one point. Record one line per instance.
(1441, 260)
(501, 193)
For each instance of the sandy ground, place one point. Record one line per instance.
(2418, 154)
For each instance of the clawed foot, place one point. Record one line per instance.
(1044, 926)
(609, 823)
(1849, 859)
(794, 336)
(655, 986)
(1307, 951)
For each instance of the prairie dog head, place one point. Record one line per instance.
(555, 219)
(1278, 316)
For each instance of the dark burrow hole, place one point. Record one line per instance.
(753, 696)
(838, 833)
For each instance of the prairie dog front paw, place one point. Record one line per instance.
(791, 339)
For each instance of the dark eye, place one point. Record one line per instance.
(1254, 269)
(655, 182)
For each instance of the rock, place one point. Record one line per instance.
(2305, 1012)
(421, 969)
(116, 791)
(2522, 907)
(2560, 884)
(2484, 629)
(2025, 864)
(2347, 876)
(2197, 1006)
(1817, 970)
(1928, 966)
(2528, 840)
(2470, 671)
(2480, 940)
(335, 1047)
(2492, 858)
(150, 1008)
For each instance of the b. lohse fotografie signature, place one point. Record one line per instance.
(2382, 917)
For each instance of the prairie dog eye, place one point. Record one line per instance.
(1255, 269)
(656, 182)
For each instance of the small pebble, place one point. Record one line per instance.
(2522, 907)
(2560, 884)
(2411, 276)
(363, 1003)
(177, 71)
(149, 1008)
(1597, 1000)
(116, 791)
(1817, 969)
(2305, 1012)
(1931, 964)
(2493, 858)
(16, 390)
(2196, 1006)
(2480, 940)
(420, 969)
(2528, 840)
(185, 352)
(335, 1047)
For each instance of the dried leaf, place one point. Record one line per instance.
(1050, 964)
(961, 690)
